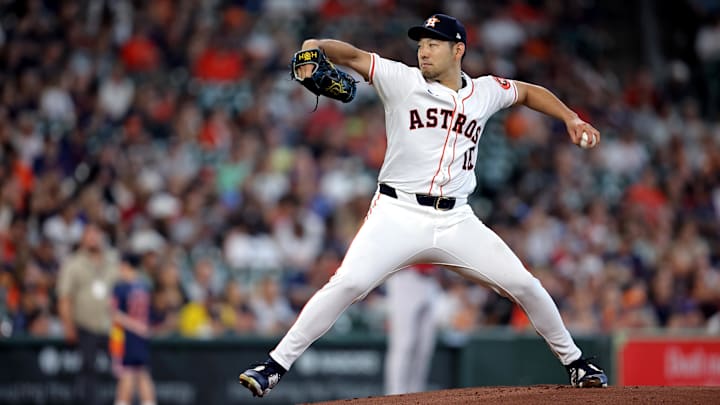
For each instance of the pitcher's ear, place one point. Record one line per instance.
(460, 49)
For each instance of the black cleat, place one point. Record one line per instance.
(584, 374)
(261, 378)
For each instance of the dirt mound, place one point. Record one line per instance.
(547, 394)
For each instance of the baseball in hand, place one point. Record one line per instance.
(587, 140)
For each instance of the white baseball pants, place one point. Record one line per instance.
(412, 323)
(400, 232)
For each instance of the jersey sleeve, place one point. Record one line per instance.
(500, 93)
(392, 80)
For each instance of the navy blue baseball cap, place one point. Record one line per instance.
(440, 26)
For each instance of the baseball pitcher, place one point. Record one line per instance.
(435, 115)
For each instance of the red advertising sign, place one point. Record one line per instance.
(669, 361)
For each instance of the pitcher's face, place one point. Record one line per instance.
(435, 57)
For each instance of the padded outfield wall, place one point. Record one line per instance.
(205, 372)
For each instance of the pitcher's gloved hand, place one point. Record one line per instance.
(325, 80)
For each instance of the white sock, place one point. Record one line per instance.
(122, 403)
(148, 403)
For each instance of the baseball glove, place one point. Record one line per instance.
(326, 79)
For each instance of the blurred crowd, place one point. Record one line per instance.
(174, 127)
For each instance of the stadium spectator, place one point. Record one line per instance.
(195, 320)
(234, 311)
(167, 299)
(140, 53)
(64, 229)
(299, 234)
(272, 310)
(34, 314)
(461, 310)
(84, 291)
(56, 104)
(580, 313)
(219, 62)
(202, 287)
(115, 94)
(129, 339)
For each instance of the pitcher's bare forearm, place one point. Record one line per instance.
(343, 53)
(543, 100)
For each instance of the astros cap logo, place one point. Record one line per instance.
(432, 21)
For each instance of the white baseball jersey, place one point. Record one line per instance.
(433, 131)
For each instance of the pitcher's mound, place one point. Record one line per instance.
(547, 394)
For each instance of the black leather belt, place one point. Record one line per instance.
(439, 203)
